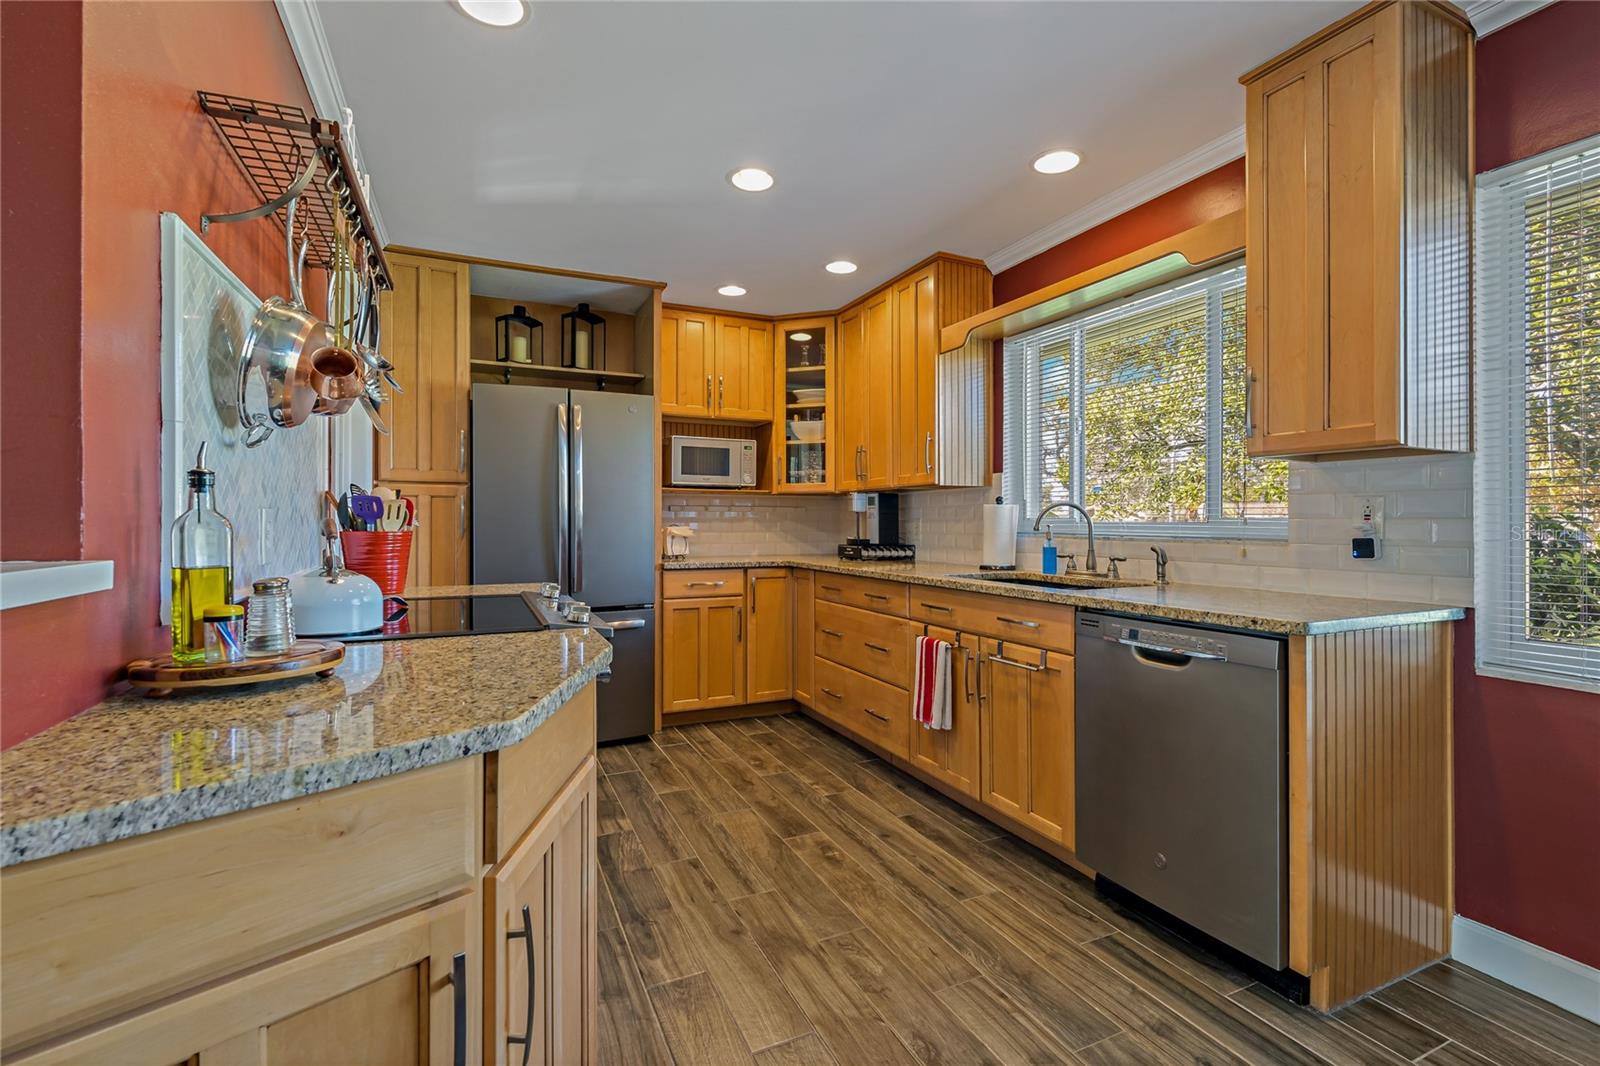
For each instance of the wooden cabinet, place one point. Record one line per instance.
(540, 993)
(440, 550)
(951, 755)
(863, 459)
(702, 653)
(715, 366)
(426, 325)
(744, 369)
(769, 659)
(1028, 736)
(688, 362)
(804, 401)
(1358, 199)
(916, 351)
(804, 645)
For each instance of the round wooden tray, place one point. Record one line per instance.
(162, 677)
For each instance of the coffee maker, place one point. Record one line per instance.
(877, 529)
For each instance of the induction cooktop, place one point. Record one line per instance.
(452, 616)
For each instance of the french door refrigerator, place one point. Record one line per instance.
(562, 490)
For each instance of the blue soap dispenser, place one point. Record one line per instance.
(1048, 566)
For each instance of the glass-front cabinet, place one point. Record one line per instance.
(805, 394)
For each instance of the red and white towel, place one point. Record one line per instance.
(930, 702)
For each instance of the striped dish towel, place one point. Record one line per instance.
(930, 702)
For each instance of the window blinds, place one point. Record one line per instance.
(1537, 476)
(1137, 411)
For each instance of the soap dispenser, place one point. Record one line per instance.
(1048, 566)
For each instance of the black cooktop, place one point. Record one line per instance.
(451, 616)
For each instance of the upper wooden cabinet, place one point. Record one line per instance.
(866, 395)
(426, 329)
(1358, 189)
(715, 366)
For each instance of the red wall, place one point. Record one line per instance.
(145, 148)
(1527, 757)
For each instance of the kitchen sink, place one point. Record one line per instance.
(1054, 582)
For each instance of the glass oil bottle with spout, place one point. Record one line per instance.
(202, 565)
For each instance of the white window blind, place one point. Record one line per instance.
(1537, 480)
(1136, 411)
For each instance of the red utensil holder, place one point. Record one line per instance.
(384, 557)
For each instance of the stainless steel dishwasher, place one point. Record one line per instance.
(1181, 779)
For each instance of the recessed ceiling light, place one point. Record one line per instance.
(751, 179)
(840, 266)
(499, 13)
(801, 337)
(732, 290)
(1057, 162)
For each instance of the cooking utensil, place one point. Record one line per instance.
(369, 509)
(346, 519)
(396, 516)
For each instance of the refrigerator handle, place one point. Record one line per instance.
(562, 495)
(577, 497)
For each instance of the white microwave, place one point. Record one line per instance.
(714, 461)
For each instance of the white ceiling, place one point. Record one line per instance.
(598, 136)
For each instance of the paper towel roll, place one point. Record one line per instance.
(999, 536)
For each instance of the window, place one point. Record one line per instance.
(1538, 419)
(1136, 411)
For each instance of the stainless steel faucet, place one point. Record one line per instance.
(1161, 564)
(1089, 561)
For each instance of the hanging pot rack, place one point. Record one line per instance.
(281, 150)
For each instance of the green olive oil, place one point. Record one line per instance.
(193, 590)
(202, 565)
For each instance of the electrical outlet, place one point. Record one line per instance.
(1369, 515)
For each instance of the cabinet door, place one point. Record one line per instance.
(951, 754)
(688, 357)
(439, 542)
(916, 351)
(426, 335)
(853, 402)
(804, 637)
(540, 986)
(394, 993)
(878, 347)
(770, 656)
(744, 368)
(703, 656)
(1027, 744)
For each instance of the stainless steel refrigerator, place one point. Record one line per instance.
(562, 491)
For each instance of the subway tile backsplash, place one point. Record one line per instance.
(1427, 549)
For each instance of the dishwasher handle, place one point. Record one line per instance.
(1183, 655)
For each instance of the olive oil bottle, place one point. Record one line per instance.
(202, 564)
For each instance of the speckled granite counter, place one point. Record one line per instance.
(1234, 608)
(134, 765)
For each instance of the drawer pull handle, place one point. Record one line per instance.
(1016, 622)
(704, 584)
(826, 691)
(458, 994)
(937, 607)
(878, 648)
(831, 633)
(829, 588)
(877, 596)
(525, 934)
(875, 714)
(1001, 659)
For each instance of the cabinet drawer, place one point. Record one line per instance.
(1046, 625)
(878, 713)
(885, 597)
(682, 584)
(870, 643)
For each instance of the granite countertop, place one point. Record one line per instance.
(1233, 608)
(133, 765)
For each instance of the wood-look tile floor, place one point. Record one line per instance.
(773, 894)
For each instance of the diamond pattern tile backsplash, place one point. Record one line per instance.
(270, 493)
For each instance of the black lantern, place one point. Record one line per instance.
(583, 338)
(518, 337)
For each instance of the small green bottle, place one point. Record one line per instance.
(202, 565)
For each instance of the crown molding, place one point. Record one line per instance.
(303, 25)
(1490, 15)
(1207, 157)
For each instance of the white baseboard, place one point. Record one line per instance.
(1565, 982)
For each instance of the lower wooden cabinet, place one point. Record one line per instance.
(769, 658)
(951, 755)
(804, 638)
(540, 989)
(440, 552)
(702, 653)
(1028, 737)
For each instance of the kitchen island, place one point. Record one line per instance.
(375, 856)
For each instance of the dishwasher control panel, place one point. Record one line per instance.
(1197, 642)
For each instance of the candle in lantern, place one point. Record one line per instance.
(580, 350)
(519, 350)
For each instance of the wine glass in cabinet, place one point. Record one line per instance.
(805, 399)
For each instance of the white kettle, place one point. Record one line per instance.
(331, 605)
